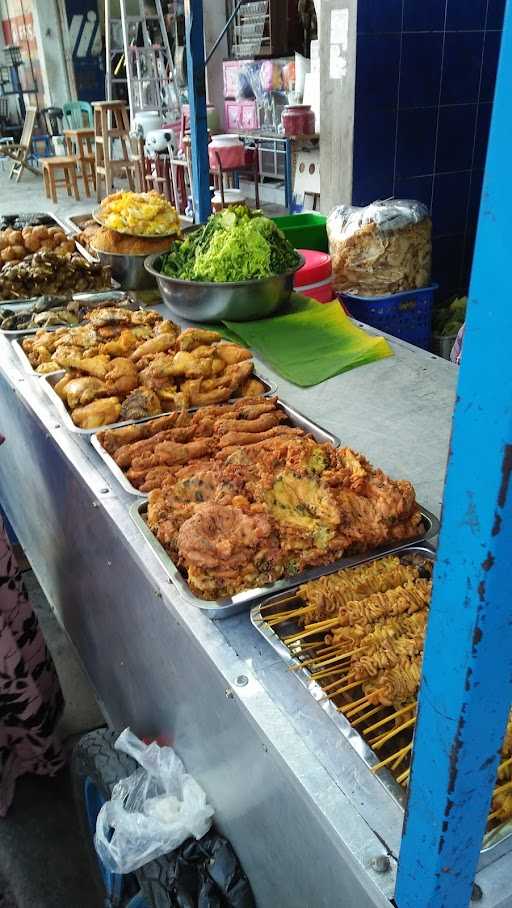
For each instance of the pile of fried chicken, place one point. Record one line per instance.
(123, 365)
(238, 505)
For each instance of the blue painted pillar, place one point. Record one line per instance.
(467, 672)
(197, 102)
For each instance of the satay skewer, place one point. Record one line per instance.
(388, 760)
(378, 742)
(395, 715)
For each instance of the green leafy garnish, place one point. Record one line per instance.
(236, 244)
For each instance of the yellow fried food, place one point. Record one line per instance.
(143, 213)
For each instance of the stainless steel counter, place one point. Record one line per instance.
(300, 808)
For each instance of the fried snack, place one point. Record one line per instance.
(99, 413)
(51, 274)
(81, 391)
(197, 337)
(106, 240)
(140, 403)
(313, 498)
(141, 364)
(143, 213)
(328, 594)
(412, 597)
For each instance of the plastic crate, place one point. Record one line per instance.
(406, 315)
(305, 231)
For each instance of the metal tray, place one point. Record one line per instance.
(51, 378)
(240, 602)
(493, 841)
(294, 417)
(18, 306)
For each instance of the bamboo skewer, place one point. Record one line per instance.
(368, 715)
(378, 742)
(393, 757)
(399, 712)
(340, 690)
(403, 777)
(312, 629)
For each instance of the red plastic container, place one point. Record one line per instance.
(314, 279)
(298, 120)
(229, 155)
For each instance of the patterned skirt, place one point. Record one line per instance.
(31, 700)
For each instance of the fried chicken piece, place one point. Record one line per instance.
(215, 390)
(68, 357)
(47, 368)
(120, 346)
(190, 365)
(158, 344)
(121, 377)
(81, 391)
(196, 337)
(99, 413)
(114, 439)
(253, 387)
(127, 452)
(158, 374)
(260, 424)
(167, 327)
(173, 400)
(170, 453)
(95, 365)
(148, 317)
(232, 353)
(140, 403)
(108, 316)
(60, 386)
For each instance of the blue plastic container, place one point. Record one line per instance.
(406, 315)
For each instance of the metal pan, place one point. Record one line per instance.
(496, 842)
(240, 602)
(19, 306)
(294, 418)
(51, 379)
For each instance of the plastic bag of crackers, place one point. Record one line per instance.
(383, 248)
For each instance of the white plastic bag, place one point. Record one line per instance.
(152, 811)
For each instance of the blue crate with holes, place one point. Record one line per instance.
(406, 315)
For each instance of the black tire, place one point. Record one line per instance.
(94, 757)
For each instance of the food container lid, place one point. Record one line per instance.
(225, 140)
(318, 267)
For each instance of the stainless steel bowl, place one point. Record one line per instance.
(128, 270)
(206, 301)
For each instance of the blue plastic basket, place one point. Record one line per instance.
(406, 315)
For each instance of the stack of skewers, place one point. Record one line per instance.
(361, 640)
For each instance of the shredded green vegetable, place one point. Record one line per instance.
(236, 244)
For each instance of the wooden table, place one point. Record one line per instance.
(80, 145)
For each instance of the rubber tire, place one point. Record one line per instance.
(94, 757)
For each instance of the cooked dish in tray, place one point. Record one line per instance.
(156, 450)
(270, 504)
(125, 365)
(360, 634)
(52, 274)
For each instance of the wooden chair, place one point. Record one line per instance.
(111, 121)
(80, 146)
(50, 168)
(20, 153)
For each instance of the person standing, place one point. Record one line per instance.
(31, 700)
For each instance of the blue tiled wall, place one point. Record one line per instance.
(425, 79)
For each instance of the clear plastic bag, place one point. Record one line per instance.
(383, 248)
(151, 812)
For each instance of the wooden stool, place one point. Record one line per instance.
(50, 166)
(106, 167)
(80, 146)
